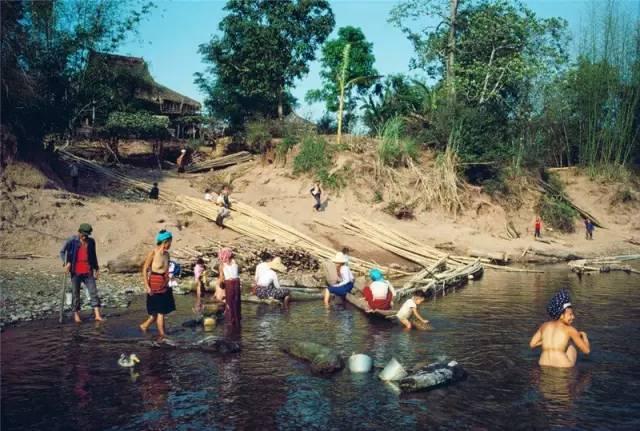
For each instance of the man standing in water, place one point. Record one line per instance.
(555, 335)
(81, 262)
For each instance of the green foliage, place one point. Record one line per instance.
(45, 48)
(140, 125)
(314, 156)
(258, 136)
(395, 148)
(359, 65)
(557, 213)
(377, 197)
(284, 146)
(264, 46)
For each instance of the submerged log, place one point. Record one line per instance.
(324, 360)
(207, 344)
(433, 376)
(362, 304)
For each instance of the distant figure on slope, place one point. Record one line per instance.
(81, 262)
(224, 201)
(73, 171)
(316, 192)
(589, 227)
(410, 309)
(155, 273)
(555, 335)
(208, 196)
(345, 281)
(182, 160)
(154, 193)
(379, 294)
(538, 227)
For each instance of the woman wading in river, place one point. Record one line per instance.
(155, 273)
(230, 281)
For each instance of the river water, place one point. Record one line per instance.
(66, 377)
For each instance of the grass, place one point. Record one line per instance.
(395, 148)
(557, 213)
(315, 158)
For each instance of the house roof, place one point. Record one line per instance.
(158, 92)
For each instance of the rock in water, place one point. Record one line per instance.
(323, 359)
(433, 376)
(208, 344)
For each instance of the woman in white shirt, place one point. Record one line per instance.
(345, 284)
(379, 294)
(267, 283)
(230, 280)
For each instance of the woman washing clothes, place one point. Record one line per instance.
(345, 284)
(379, 294)
(230, 281)
(155, 273)
(267, 283)
(556, 335)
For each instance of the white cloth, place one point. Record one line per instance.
(379, 289)
(267, 276)
(407, 308)
(346, 276)
(208, 197)
(230, 271)
(73, 171)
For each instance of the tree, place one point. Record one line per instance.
(345, 77)
(264, 47)
(45, 47)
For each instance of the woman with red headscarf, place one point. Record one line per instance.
(230, 281)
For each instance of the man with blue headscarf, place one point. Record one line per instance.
(555, 336)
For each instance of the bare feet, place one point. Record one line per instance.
(143, 327)
(76, 318)
(100, 319)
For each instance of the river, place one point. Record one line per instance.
(66, 377)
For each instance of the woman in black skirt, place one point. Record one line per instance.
(155, 273)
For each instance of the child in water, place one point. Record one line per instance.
(409, 309)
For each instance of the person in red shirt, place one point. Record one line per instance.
(538, 227)
(81, 262)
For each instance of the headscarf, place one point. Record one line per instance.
(375, 274)
(560, 302)
(225, 254)
(163, 236)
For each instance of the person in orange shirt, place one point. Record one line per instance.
(538, 227)
(81, 262)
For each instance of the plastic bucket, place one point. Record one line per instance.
(393, 371)
(360, 363)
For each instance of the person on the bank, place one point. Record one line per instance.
(316, 192)
(154, 193)
(155, 273)
(208, 196)
(267, 283)
(73, 171)
(345, 283)
(230, 281)
(224, 201)
(589, 227)
(380, 293)
(410, 310)
(538, 227)
(556, 335)
(182, 160)
(81, 262)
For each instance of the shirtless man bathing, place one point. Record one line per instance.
(555, 335)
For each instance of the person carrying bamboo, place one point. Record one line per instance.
(224, 201)
(81, 262)
(155, 274)
(316, 192)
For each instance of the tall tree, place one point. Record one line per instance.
(345, 77)
(263, 48)
(45, 48)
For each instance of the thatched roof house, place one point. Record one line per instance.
(167, 102)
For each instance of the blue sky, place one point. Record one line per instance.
(168, 40)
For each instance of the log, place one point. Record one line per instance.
(324, 360)
(433, 376)
(496, 257)
(208, 344)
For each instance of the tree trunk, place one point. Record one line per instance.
(451, 47)
(280, 105)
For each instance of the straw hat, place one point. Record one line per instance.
(277, 265)
(340, 258)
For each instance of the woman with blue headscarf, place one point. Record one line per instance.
(556, 335)
(379, 294)
(155, 273)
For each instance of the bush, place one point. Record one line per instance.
(313, 157)
(258, 136)
(395, 148)
(283, 147)
(557, 213)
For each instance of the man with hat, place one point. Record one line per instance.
(81, 262)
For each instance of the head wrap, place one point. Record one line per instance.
(85, 228)
(375, 274)
(560, 302)
(163, 236)
(225, 254)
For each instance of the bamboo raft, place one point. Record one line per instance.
(220, 162)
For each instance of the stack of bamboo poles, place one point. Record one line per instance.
(245, 220)
(406, 247)
(220, 162)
